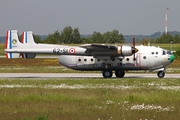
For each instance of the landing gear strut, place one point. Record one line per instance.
(119, 73)
(161, 74)
(107, 73)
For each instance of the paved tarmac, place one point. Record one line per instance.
(80, 75)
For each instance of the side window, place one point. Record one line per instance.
(92, 59)
(164, 53)
(79, 60)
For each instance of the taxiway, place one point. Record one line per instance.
(80, 75)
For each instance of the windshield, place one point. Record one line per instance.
(164, 52)
(169, 53)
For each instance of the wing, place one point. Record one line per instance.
(98, 47)
(100, 50)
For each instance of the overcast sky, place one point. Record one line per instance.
(127, 16)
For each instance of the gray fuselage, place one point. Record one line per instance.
(147, 58)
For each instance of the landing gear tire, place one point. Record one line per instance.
(107, 73)
(161, 74)
(119, 73)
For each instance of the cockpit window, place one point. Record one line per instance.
(164, 53)
(169, 53)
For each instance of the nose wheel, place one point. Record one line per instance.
(161, 74)
(107, 73)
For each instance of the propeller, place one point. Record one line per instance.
(134, 50)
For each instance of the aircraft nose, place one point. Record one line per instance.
(172, 57)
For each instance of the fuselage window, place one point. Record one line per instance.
(152, 53)
(98, 60)
(92, 59)
(113, 59)
(79, 60)
(144, 57)
(85, 59)
(127, 59)
(156, 53)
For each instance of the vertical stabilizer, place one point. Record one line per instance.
(12, 42)
(27, 38)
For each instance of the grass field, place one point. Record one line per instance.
(2, 47)
(90, 99)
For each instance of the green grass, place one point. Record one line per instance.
(175, 47)
(87, 99)
(2, 47)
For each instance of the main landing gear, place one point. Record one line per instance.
(109, 73)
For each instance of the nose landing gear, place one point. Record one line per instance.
(161, 74)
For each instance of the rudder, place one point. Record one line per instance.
(27, 37)
(12, 41)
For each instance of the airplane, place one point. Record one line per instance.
(93, 57)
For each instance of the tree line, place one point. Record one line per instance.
(72, 36)
(164, 38)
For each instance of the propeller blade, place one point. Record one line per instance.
(134, 49)
(133, 41)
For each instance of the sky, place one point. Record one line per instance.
(129, 17)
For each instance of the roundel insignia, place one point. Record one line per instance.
(14, 41)
(72, 51)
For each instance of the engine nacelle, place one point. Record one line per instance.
(126, 50)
